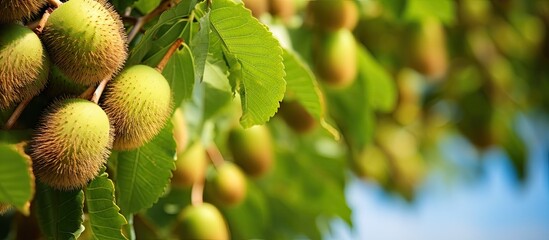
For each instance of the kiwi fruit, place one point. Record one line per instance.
(335, 58)
(190, 166)
(203, 221)
(283, 9)
(17, 10)
(24, 64)
(296, 116)
(4, 208)
(139, 104)
(252, 149)
(333, 14)
(226, 185)
(86, 40)
(71, 144)
(258, 7)
(427, 49)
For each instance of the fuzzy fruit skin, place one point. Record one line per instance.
(24, 65)
(16, 10)
(86, 40)
(190, 166)
(202, 221)
(258, 7)
(252, 149)
(427, 49)
(226, 185)
(285, 9)
(335, 58)
(333, 14)
(139, 104)
(4, 208)
(71, 144)
(297, 117)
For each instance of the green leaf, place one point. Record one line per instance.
(143, 174)
(59, 212)
(160, 35)
(301, 83)
(16, 179)
(441, 9)
(179, 72)
(14, 136)
(255, 55)
(380, 86)
(217, 88)
(146, 6)
(199, 45)
(105, 220)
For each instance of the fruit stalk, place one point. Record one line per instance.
(40, 26)
(99, 90)
(197, 193)
(55, 3)
(16, 113)
(215, 155)
(168, 55)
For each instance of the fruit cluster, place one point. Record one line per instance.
(77, 46)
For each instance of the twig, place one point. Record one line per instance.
(168, 55)
(215, 155)
(141, 21)
(88, 93)
(99, 90)
(17, 112)
(55, 3)
(197, 193)
(40, 26)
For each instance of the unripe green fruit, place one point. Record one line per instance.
(86, 40)
(333, 14)
(258, 7)
(226, 185)
(190, 166)
(372, 164)
(252, 149)
(139, 104)
(427, 49)
(335, 58)
(203, 221)
(284, 9)
(71, 144)
(296, 116)
(24, 65)
(179, 131)
(59, 85)
(17, 10)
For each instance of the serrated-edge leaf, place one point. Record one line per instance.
(143, 174)
(16, 178)
(105, 220)
(59, 212)
(259, 54)
(200, 44)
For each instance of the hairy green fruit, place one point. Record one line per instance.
(24, 65)
(4, 208)
(86, 40)
(335, 58)
(71, 144)
(333, 14)
(190, 166)
(139, 104)
(16, 10)
(258, 7)
(202, 221)
(252, 149)
(372, 164)
(226, 185)
(297, 117)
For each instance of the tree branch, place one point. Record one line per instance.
(16, 113)
(141, 21)
(168, 55)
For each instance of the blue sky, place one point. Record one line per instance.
(493, 206)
